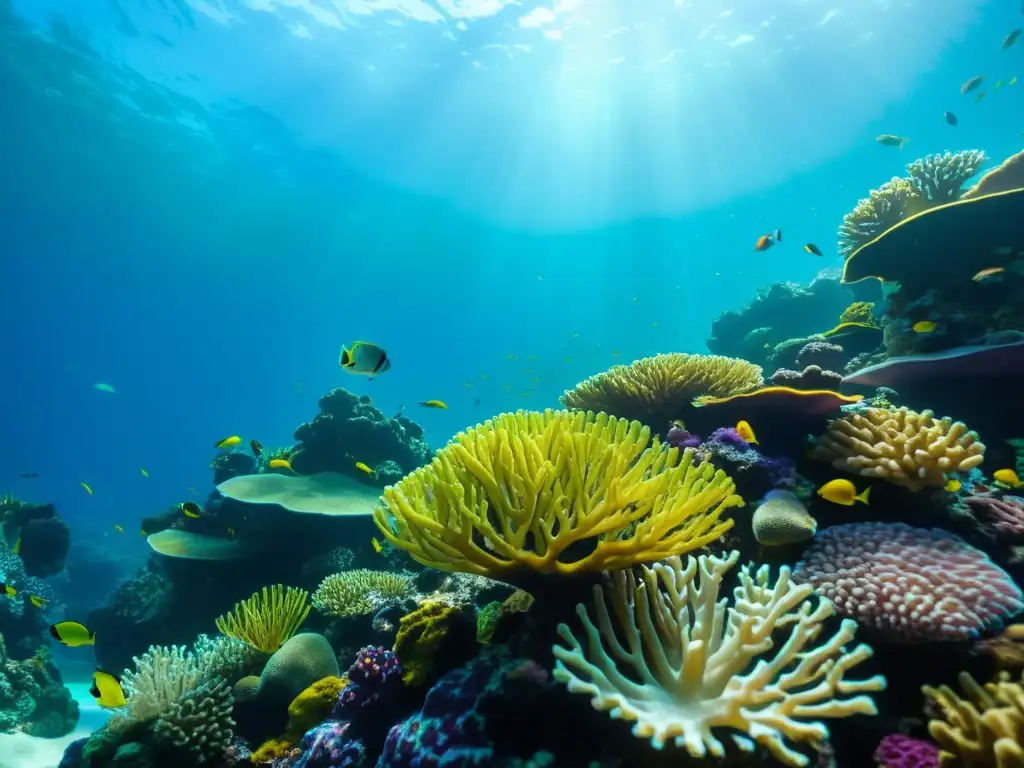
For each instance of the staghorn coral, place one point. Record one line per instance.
(679, 662)
(982, 729)
(859, 312)
(199, 722)
(268, 618)
(508, 498)
(881, 210)
(362, 591)
(909, 584)
(655, 390)
(901, 446)
(940, 178)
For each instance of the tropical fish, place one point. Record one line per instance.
(144, 472)
(891, 140)
(231, 533)
(842, 491)
(764, 242)
(87, 488)
(952, 485)
(1010, 39)
(29, 474)
(7, 589)
(950, 118)
(191, 490)
(987, 272)
(107, 690)
(997, 86)
(102, 386)
(257, 449)
(924, 326)
(72, 634)
(1006, 477)
(118, 528)
(1013, 80)
(782, 518)
(281, 464)
(37, 601)
(376, 546)
(744, 430)
(812, 249)
(971, 84)
(364, 359)
(228, 442)
(16, 549)
(434, 404)
(191, 509)
(678, 424)
(467, 385)
(979, 97)
(142, 532)
(363, 468)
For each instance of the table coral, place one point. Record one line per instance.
(679, 662)
(909, 584)
(508, 498)
(901, 446)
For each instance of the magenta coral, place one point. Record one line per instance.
(910, 584)
(899, 751)
(1004, 514)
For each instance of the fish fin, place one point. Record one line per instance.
(346, 357)
(863, 497)
(94, 691)
(92, 637)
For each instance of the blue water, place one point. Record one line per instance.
(203, 199)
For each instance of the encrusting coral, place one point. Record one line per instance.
(858, 312)
(362, 591)
(268, 618)
(679, 662)
(655, 390)
(901, 446)
(508, 498)
(421, 635)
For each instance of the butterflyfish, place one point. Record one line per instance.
(842, 491)
(37, 601)
(744, 430)
(1006, 477)
(924, 326)
(891, 140)
(281, 464)
(8, 590)
(256, 447)
(72, 634)
(434, 404)
(228, 442)
(191, 509)
(376, 546)
(87, 488)
(106, 689)
(812, 249)
(364, 359)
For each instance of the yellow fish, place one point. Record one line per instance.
(744, 430)
(952, 485)
(228, 442)
(144, 472)
(842, 491)
(118, 528)
(281, 464)
(364, 359)
(7, 589)
(435, 404)
(191, 509)
(987, 272)
(1006, 477)
(72, 634)
(376, 546)
(37, 601)
(87, 488)
(107, 690)
(924, 326)
(363, 468)
(16, 549)
(679, 424)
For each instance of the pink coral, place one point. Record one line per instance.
(1005, 514)
(910, 584)
(899, 751)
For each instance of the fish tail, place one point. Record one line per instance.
(863, 498)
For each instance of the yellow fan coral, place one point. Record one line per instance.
(668, 655)
(984, 729)
(655, 390)
(901, 446)
(268, 618)
(362, 591)
(510, 497)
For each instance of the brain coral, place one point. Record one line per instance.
(910, 584)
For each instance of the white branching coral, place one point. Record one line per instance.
(679, 662)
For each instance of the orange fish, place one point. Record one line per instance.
(764, 242)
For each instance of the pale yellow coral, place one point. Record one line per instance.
(268, 618)
(362, 591)
(881, 210)
(1004, 177)
(656, 390)
(679, 662)
(509, 498)
(984, 729)
(904, 447)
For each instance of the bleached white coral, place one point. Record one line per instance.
(690, 662)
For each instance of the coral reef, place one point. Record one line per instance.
(199, 722)
(433, 635)
(267, 619)
(300, 662)
(811, 377)
(33, 699)
(687, 666)
(483, 507)
(899, 751)
(754, 473)
(859, 312)
(373, 676)
(1004, 513)
(361, 591)
(909, 584)
(781, 518)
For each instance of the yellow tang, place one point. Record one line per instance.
(281, 464)
(952, 485)
(191, 509)
(924, 326)
(434, 404)
(87, 488)
(376, 546)
(1006, 477)
(842, 491)
(72, 634)
(744, 430)
(37, 601)
(107, 690)
(228, 442)
(363, 468)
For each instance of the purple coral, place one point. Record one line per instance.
(679, 438)
(753, 472)
(899, 751)
(1005, 514)
(910, 584)
(375, 672)
(329, 746)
